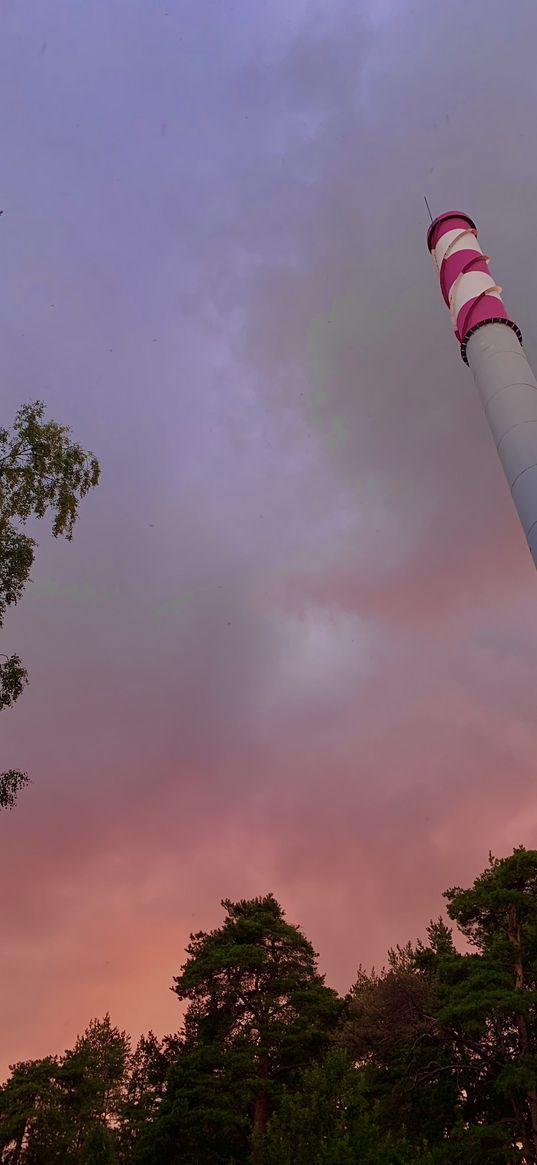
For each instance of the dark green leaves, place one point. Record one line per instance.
(10, 784)
(13, 677)
(41, 471)
(258, 1012)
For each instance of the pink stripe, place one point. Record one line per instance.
(452, 267)
(477, 311)
(448, 222)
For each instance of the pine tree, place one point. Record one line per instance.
(258, 1012)
(491, 1004)
(27, 1091)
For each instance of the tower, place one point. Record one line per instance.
(491, 345)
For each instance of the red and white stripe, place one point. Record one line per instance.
(467, 286)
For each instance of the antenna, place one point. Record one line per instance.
(428, 208)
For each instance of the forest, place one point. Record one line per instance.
(432, 1060)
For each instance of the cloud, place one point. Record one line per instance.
(316, 674)
(175, 604)
(84, 592)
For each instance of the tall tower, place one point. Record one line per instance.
(491, 345)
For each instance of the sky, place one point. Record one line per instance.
(292, 646)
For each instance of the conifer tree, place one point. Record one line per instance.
(258, 1012)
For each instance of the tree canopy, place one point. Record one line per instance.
(258, 1012)
(431, 1061)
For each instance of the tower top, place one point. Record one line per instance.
(469, 291)
(457, 214)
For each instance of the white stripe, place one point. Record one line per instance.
(470, 285)
(457, 240)
(466, 287)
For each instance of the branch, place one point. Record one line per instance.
(23, 448)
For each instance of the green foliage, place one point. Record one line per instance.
(390, 1029)
(448, 1040)
(433, 1061)
(490, 1003)
(329, 1121)
(258, 1012)
(254, 980)
(41, 470)
(25, 1093)
(99, 1147)
(502, 898)
(10, 783)
(13, 677)
(92, 1075)
(203, 1119)
(143, 1089)
(62, 1110)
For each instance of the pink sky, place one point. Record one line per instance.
(292, 647)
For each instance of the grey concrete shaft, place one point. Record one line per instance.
(508, 391)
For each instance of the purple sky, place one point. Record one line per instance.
(293, 644)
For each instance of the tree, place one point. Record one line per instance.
(92, 1077)
(492, 1002)
(66, 1111)
(258, 1012)
(99, 1147)
(41, 470)
(147, 1068)
(450, 1038)
(330, 1120)
(390, 1029)
(431, 1062)
(25, 1093)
